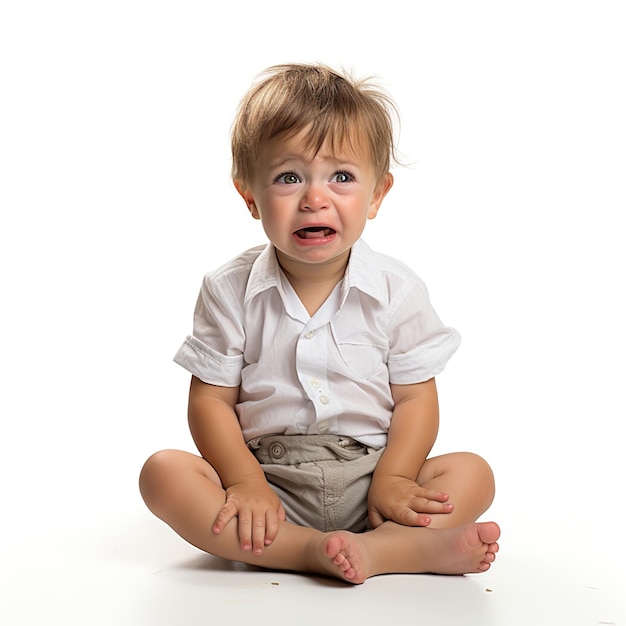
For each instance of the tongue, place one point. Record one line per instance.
(314, 233)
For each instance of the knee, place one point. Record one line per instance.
(480, 472)
(155, 475)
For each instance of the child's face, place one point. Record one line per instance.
(313, 207)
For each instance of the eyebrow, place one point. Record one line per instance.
(282, 161)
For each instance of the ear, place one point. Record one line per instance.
(383, 187)
(248, 198)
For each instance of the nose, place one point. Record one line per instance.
(314, 198)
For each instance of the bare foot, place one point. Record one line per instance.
(348, 553)
(468, 549)
(340, 554)
(395, 549)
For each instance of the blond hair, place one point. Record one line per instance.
(334, 107)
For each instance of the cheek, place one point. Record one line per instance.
(275, 203)
(281, 193)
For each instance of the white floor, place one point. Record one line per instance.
(128, 569)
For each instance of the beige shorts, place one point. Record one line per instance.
(322, 480)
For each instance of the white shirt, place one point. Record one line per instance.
(325, 374)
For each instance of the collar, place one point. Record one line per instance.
(363, 273)
(264, 275)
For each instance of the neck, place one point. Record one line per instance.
(313, 282)
(312, 274)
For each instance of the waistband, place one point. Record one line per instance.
(294, 449)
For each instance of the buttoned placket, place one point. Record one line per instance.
(311, 365)
(312, 355)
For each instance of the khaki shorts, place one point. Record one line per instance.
(322, 480)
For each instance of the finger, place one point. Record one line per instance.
(227, 512)
(437, 496)
(409, 517)
(272, 521)
(422, 505)
(244, 528)
(429, 494)
(258, 535)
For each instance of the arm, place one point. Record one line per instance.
(394, 493)
(216, 432)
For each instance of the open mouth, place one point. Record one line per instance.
(314, 232)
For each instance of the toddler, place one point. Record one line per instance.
(313, 401)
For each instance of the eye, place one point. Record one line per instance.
(343, 177)
(287, 178)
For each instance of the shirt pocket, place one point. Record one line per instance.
(363, 352)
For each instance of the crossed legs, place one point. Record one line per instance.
(184, 491)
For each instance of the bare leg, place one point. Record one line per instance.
(184, 491)
(467, 479)
(451, 544)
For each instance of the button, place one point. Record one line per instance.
(315, 383)
(277, 450)
(309, 335)
(324, 399)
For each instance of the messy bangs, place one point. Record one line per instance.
(345, 113)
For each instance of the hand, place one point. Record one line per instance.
(259, 511)
(403, 501)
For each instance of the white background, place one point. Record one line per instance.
(115, 199)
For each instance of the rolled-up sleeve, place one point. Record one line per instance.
(209, 365)
(214, 352)
(420, 344)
